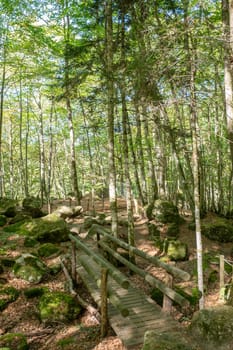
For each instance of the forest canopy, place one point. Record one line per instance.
(98, 93)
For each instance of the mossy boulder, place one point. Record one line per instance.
(49, 228)
(3, 220)
(13, 341)
(30, 268)
(19, 217)
(35, 292)
(154, 340)
(7, 295)
(32, 206)
(153, 229)
(172, 230)
(214, 327)
(8, 207)
(58, 307)
(48, 249)
(218, 229)
(176, 250)
(163, 211)
(68, 212)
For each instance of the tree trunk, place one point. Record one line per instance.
(110, 115)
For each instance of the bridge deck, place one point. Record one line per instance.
(144, 313)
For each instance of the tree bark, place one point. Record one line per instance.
(110, 115)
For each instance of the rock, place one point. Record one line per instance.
(163, 211)
(3, 220)
(153, 340)
(68, 212)
(214, 327)
(176, 250)
(13, 341)
(8, 207)
(29, 268)
(58, 307)
(35, 292)
(48, 249)
(218, 229)
(172, 230)
(19, 217)
(153, 229)
(88, 222)
(7, 296)
(49, 228)
(32, 207)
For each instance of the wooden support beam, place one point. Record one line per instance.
(89, 266)
(149, 278)
(174, 271)
(104, 302)
(115, 274)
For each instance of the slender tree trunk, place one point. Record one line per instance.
(129, 199)
(22, 163)
(3, 82)
(227, 9)
(74, 175)
(43, 189)
(110, 115)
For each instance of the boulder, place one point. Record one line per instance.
(58, 307)
(214, 327)
(32, 207)
(13, 341)
(8, 207)
(218, 229)
(154, 340)
(176, 250)
(68, 212)
(163, 211)
(48, 249)
(50, 228)
(7, 296)
(29, 268)
(3, 220)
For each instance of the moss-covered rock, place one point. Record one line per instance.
(14, 341)
(172, 230)
(7, 296)
(30, 242)
(153, 340)
(32, 207)
(153, 229)
(214, 327)
(30, 268)
(35, 292)
(8, 207)
(49, 228)
(163, 211)
(3, 220)
(19, 217)
(218, 229)
(48, 249)
(58, 307)
(7, 262)
(176, 250)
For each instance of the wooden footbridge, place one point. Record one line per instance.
(130, 312)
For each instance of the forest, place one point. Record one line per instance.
(125, 101)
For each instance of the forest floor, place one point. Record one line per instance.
(21, 316)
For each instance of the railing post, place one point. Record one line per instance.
(167, 302)
(104, 302)
(73, 262)
(221, 278)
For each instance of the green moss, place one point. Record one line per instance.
(29, 268)
(14, 341)
(49, 228)
(8, 207)
(218, 229)
(48, 249)
(30, 242)
(3, 220)
(7, 296)
(172, 230)
(35, 292)
(177, 250)
(58, 307)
